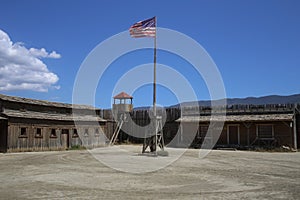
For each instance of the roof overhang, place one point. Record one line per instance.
(238, 118)
(123, 95)
(52, 116)
(3, 118)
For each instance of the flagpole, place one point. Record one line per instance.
(154, 90)
(154, 75)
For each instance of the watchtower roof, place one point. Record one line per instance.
(123, 95)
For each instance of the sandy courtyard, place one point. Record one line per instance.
(80, 175)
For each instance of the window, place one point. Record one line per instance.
(86, 132)
(23, 132)
(75, 133)
(265, 131)
(38, 133)
(53, 133)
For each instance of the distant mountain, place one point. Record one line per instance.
(271, 99)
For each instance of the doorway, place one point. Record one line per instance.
(233, 134)
(65, 138)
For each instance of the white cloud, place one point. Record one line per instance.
(42, 53)
(53, 54)
(23, 69)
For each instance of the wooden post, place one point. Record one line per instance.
(154, 75)
(248, 125)
(295, 128)
(154, 90)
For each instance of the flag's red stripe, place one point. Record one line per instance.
(144, 28)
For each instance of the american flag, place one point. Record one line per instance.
(146, 28)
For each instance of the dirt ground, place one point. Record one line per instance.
(80, 175)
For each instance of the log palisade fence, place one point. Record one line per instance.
(245, 125)
(142, 118)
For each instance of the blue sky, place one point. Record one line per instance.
(255, 45)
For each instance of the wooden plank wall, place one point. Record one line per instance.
(46, 142)
(298, 129)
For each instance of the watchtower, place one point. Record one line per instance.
(121, 110)
(121, 104)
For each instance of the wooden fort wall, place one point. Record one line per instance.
(239, 133)
(53, 135)
(43, 135)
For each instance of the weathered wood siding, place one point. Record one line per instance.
(142, 118)
(182, 135)
(63, 140)
(298, 129)
(283, 134)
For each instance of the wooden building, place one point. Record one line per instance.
(244, 126)
(35, 125)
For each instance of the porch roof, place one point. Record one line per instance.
(51, 116)
(238, 118)
(3, 118)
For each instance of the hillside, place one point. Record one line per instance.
(271, 99)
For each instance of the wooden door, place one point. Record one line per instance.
(65, 138)
(233, 134)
